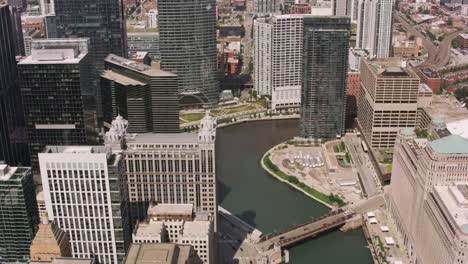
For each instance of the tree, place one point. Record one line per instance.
(450, 21)
(461, 93)
(441, 37)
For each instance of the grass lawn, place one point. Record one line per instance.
(329, 199)
(192, 116)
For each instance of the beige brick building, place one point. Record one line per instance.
(388, 100)
(428, 197)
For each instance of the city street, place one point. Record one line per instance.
(363, 165)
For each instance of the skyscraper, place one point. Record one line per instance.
(55, 89)
(13, 148)
(264, 7)
(86, 195)
(102, 22)
(278, 59)
(188, 47)
(18, 213)
(374, 26)
(428, 196)
(325, 67)
(145, 96)
(388, 100)
(169, 168)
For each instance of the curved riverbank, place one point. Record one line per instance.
(250, 193)
(265, 157)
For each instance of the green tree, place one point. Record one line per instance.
(461, 93)
(450, 21)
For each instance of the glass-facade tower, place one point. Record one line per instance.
(325, 66)
(188, 46)
(102, 22)
(53, 82)
(18, 213)
(13, 148)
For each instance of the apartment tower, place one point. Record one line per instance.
(325, 68)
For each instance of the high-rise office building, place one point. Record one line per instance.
(86, 194)
(325, 68)
(102, 22)
(13, 148)
(169, 168)
(187, 32)
(265, 7)
(374, 27)
(428, 196)
(388, 100)
(18, 212)
(144, 41)
(278, 59)
(106, 31)
(147, 97)
(18, 29)
(55, 89)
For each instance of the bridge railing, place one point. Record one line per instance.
(314, 219)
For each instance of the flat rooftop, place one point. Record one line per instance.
(121, 79)
(196, 228)
(164, 138)
(63, 150)
(151, 229)
(171, 209)
(390, 68)
(66, 261)
(446, 108)
(161, 253)
(455, 200)
(137, 67)
(459, 127)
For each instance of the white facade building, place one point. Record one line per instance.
(85, 193)
(375, 23)
(152, 18)
(428, 197)
(262, 56)
(169, 168)
(178, 223)
(283, 62)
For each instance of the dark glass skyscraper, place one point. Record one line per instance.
(188, 46)
(54, 81)
(101, 21)
(145, 96)
(13, 148)
(18, 213)
(325, 66)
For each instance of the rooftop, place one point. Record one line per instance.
(137, 67)
(121, 79)
(171, 209)
(70, 150)
(161, 253)
(453, 144)
(150, 229)
(164, 138)
(196, 228)
(446, 108)
(66, 261)
(390, 68)
(459, 127)
(455, 201)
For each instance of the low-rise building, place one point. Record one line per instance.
(50, 242)
(301, 9)
(177, 223)
(165, 253)
(463, 41)
(406, 48)
(429, 77)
